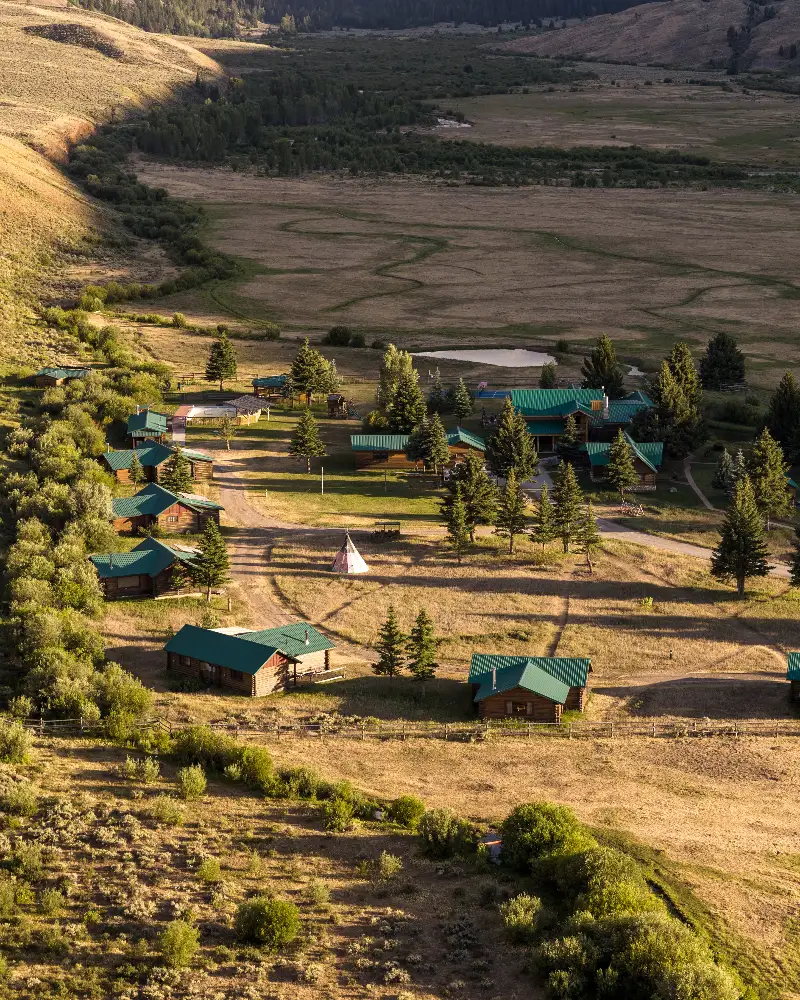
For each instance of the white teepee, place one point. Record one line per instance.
(348, 558)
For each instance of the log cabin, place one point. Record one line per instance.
(793, 676)
(532, 688)
(388, 451)
(271, 386)
(647, 459)
(151, 457)
(147, 425)
(46, 378)
(151, 569)
(248, 662)
(176, 513)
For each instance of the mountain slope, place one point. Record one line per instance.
(691, 34)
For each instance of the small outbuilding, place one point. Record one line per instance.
(178, 513)
(46, 378)
(147, 425)
(647, 459)
(793, 676)
(152, 569)
(348, 558)
(532, 688)
(249, 662)
(271, 386)
(151, 458)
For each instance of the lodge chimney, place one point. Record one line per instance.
(605, 406)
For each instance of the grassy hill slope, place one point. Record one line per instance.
(687, 33)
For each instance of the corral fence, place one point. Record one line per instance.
(465, 732)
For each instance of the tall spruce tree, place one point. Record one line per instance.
(738, 471)
(478, 493)
(544, 530)
(684, 370)
(511, 517)
(135, 471)
(621, 470)
(722, 364)
(436, 394)
(417, 444)
(569, 443)
(769, 474)
(210, 567)
(455, 518)
(511, 447)
(569, 502)
(601, 370)
(421, 649)
(394, 365)
(741, 552)
(407, 408)
(176, 473)
(590, 538)
(547, 376)
(463, 403)
(221, 364)
(783, 416)
(306, 442)
(312, 373)
(673, 420)
(723, 474)
(391, 647)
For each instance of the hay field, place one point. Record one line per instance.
(430, 265)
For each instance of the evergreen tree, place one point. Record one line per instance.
(511, 447)
(136, 471)
(221, 364)
(621, 471)
(569, 501)
(394, 365)
(684, 370)
(738, 471)
(227, 430)
(783, 416)
(723, 474)
(436, 394)
(674, 419)
(722, 364)
(569, 444)
(741, 552)
(458, 529)
(176, 473)
(312, 373)
(407, 408)
(210, 567)
(547, 376)
(545, 529)
(601, 370)
(794, 559)
(463, 404)
(391, 646)
(478, 492)
(421, 648)
(590, 538)
(769, 475)
(511, 517)
(306, 442)
(418, 439)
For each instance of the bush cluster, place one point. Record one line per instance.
(267, 922)
(343, 336)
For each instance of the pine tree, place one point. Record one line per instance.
(135, 470)
(227, 430)
(738, 471)
(417, 444)
(437, 447)
(176, 473)
(478, 492)
(684, 370)
(569, 444)
(769, 474)
(395, 364)
(569, 501)
(601, 370)
(436, 394)
(722, 364)
(511, 446)
(545, 530)
(590, 538)
(421, 648)
(723, 474)
(783, 416)
(547, 376)
(210, 567)
(221, 364)
(511, 516)
(312, 373)
(741, 552)
(391, 646)
(407, 408)
(463, 404)
(674, 419)
(306, 442)
(621, 471)
(458, 530)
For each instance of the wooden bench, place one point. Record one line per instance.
(386, 529)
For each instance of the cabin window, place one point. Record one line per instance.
(126, 582)
(509, 708)
(522, 708)
(186, 661)
(236, 675)
(172, 518)
(381, 456)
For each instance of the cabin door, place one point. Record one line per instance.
(209, 672)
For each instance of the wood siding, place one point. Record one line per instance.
(647, 478)
(519, 704)
(576, 700)
(47, 381)
(384, 460)
(186, 520)
(276, 674)
(148, 586)
(795, 690)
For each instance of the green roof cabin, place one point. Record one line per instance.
(176, 513)
(46, 378)
(271, 386)
(147, 425)
(151, 569)
(388, 451)
(529, 688)
(793, 675)
(647, 459)
(249, 662)
(151, 457)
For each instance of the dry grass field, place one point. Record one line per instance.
(428, 265)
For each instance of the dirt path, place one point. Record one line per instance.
(687, 471)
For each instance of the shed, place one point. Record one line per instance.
(348, 558)
(249, 662)
(647, 459)
(148, 425)
(148, 570)
(793, 675)
(572, 671)
(247, 408)
(46, 378)
(522, 691)
(270, 386)
(151, 457)
(174, 512)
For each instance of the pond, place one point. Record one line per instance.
(503, 358)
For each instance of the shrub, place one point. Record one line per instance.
(317, 893)
(178, 320)
(15, 743)
(21, 800)
(562, 346)
(338, 814)
(8, 897)
(20, 707)
(192, 782)
(358, 340)
(149, 770)
(51, 902)
(267, 922)
(300, 782)
(388, 866)
(27, 862)
(256, 767)
(209, 871)
(604, 882)
(338, 336)
(520, 917)
(201, 745)
(537, 829)
(444, 833)
(165, 811)
(407, 811)
(178, 944)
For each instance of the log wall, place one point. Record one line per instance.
(506, 705)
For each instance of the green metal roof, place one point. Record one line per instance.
(525, 675)
(62, 373)
(151, 454)
(460, 436)
(271, 381)
(540, 427)
(549, 402)
(573, 671)
(379, 442)
(793, 667)
(149, 558)
(248, 651)
(147, 421)
(649, 452)
(154, 500)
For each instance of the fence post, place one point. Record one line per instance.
(445, 731)
(41, 725)
(654, 729)
(363, 731)
(569, 730)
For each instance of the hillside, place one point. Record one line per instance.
(690, 34)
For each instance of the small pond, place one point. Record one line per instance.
(503, 358)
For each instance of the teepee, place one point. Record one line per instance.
(348, 558)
